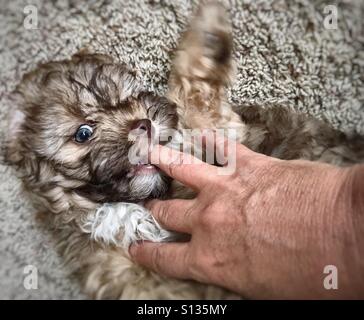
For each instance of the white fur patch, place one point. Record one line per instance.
(123, 223)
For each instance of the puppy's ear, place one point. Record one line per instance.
(16, 118)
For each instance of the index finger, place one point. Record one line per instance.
(183, 167)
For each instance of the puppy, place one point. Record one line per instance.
(77, 120)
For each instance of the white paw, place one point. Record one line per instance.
(123, 223)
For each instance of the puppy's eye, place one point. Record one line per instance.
(83, 133)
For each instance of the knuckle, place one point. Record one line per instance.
(189, 213)
(172, 168)
(196, 267)
(206, 218)
(182, 164)
(187, 263)
(202, 267)
(207, 262)
(156, 258)
(216, 216)
(175, 163)
(160, 211)
(163, 214)
(194, 270)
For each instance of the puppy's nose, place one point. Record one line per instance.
(141, 127)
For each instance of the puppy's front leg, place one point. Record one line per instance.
(202, 67)
(122, 224)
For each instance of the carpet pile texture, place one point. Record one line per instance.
(284, 53)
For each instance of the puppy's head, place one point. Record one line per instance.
(83, 123)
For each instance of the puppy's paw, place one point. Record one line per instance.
(205, 50)
(217, 46)
(122, 224)
(212, 27)
(203, 66)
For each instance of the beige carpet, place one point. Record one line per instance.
(285, 56)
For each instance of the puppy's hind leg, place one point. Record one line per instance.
(202, 68)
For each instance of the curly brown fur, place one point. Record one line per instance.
(69, 180)
(202, 68)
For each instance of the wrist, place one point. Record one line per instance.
(326, 198)
(347, 230)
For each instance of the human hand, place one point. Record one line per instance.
(266, 231)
